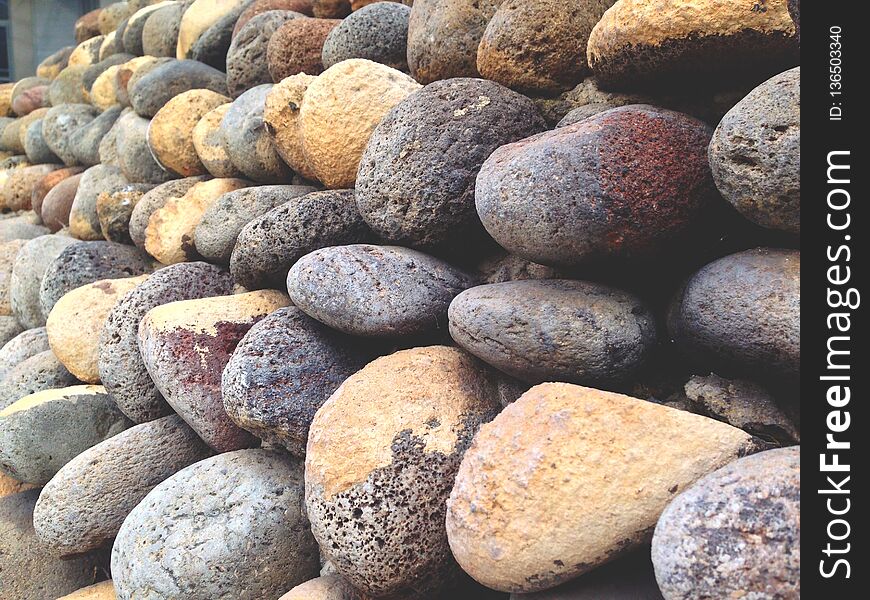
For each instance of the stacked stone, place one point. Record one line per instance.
(348, 300)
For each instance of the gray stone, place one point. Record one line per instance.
(160, 32)
(246, 58)
(153, 201)
(87, 262)
(275, 399)
(507, 267)
(35, 146)
(67, 87)
(255, 544)
(9, 328)
(380, 291)
(150, 92)
(121, 368)
(53, 426)
(734, 533)
(216, 234)
(58, 125)
(40, 372)
(416, 179)
(213, 45)
(85, 141)
(583, 112)
(269, 245)
(247, 142)
(30, 265)
(84, 223)
(134, 156)
(28, 573)
(741, 313)
(377, 32)
(18, 228)
(555, 330)
(755, 153)
(83, 506)
(24, 345)
(95, 70)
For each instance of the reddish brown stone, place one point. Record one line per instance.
(260, 6)
(47, 183)
(58, 201)
(297, 47)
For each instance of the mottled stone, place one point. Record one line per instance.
(43, 431)
(331, 9)
(84, 223)
(269, 245)
(9, 328)
(133, 70)
(18, 189)
(9, 486)
(555, 330)
(513, 528)
(296, 47)
(75, 323)
(35, 146)
(255, 502)
(169, 236)
(213, 45)
(260, 6)
(742, 313)
(155, 88)
(199, 18)
(112, 15)
(378, 32)
(121, 368)
(755, 154)
(30, 265)
(31, 99)
(114, 208)
(104, 92)
(48, 183)
(160, 31)
(37, 373)
(60, 123)
(24, 345)
(8, 251)
(377, 501)
(83, 506)
(154, 200)
(247, 65)
(27, 571)
(133, 32)
(185, 347)
(599, 188)
(134, 155)
(734, 533)
(87, 53)
(87, 26)
(650, 42)
(276, 399)
(54, 63)
(416, 179)
(341, 109)
(246, 141)
(281, 116)
(208, 142)
(67, 87)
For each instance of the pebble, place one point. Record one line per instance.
(169, 236)
(84, 223)
(154, 200)
(379, 291)
(247, 66)
(378, 32)
(416, 179)
(30, 100)
(538, 46)
(112, 15)
(75, 323)
(133, 32)
(87, 26)
(197, 19)
(649, 42)
(736, 532)
(45, 430)
(555, 330)
(59, 124)
(185, 347)
(27, 571)
(276, 400)
(166, 80)
(83, 506)
(18, 189)
(341, 109)
(135, 159)
(623, 183)
(35, 147)
(755, 154)
(296, 47)
(377, 501)
(160, 31)
(270, 244)
(104, 92)
(121, 368)
(133, 70)
(208, 142)
(114, 208)
(30, 265)
(742, 312)
(218, 229)
(47, 183)
(512, 529)
(281, 116)
(24, 345)
(39, 372)
(170, 133)
(87, 53)
(54, 63)
(67, 87)
(256, 499)
(212, 46)
(247, 142)
(58, 202)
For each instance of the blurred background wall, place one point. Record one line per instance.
(30, 30)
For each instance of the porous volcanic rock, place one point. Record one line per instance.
(24, 345)
(247, 65)
(58, 125)
(166, 80)
(42, 371)
(154, 200)
(30, 265)
(296, 47)
(377, 32)
(114, 208)
(208, 142)
(84, 223)
(281, 116)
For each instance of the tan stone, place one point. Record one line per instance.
(170, 134)
(568, 477)
(18, 189)
(75, 323)
(201, 15)
(111, 16)
(282, 121)
(327, 587)
(6, 98)
(103, 92)
(340, 110)
(8, 251)
(130, 71)
(87, 53)
(169, 235)
(28, 120)
(107, 48)
(9, 486)
(104, 590)
(208, 141)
